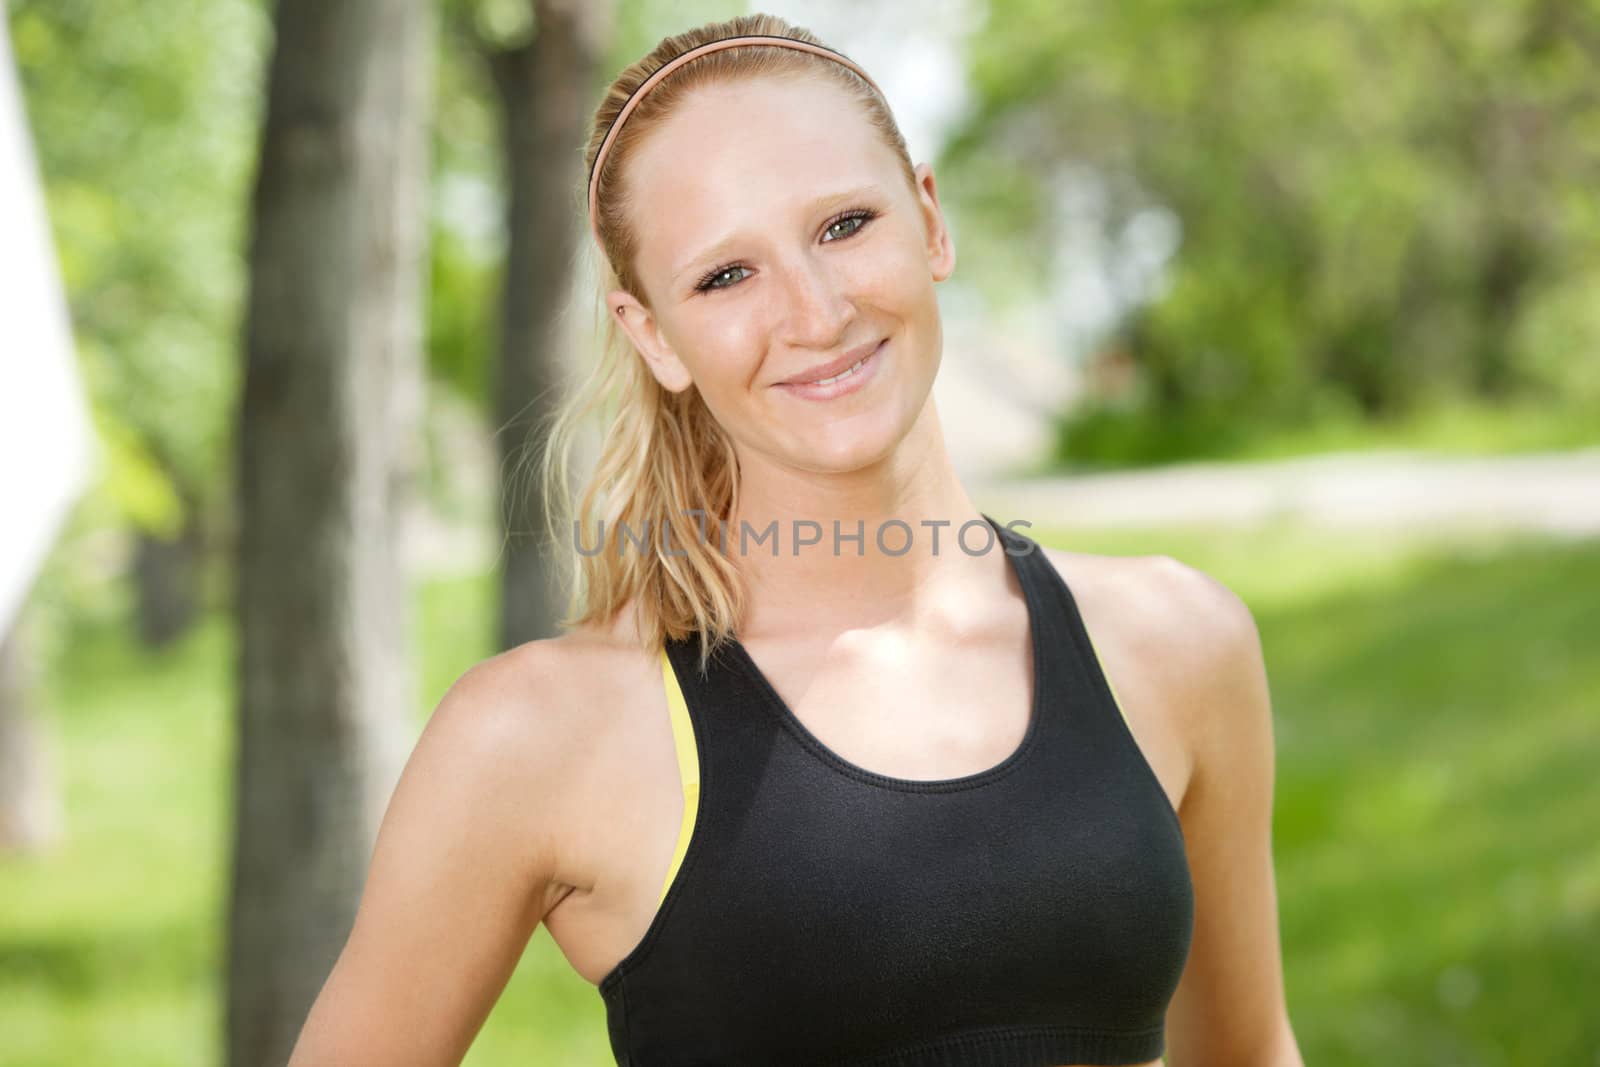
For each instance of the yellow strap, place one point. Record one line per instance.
(1109, 684)
(688, 766)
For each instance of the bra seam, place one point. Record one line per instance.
(982, 1033)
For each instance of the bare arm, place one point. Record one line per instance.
(1229, 1007)
(460, 878)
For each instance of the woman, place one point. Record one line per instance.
(904, 816)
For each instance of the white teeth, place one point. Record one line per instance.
(842, 374)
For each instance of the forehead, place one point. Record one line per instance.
(733, 156)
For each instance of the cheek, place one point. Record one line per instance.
(711, 338)
(724, 347)
(896, 278)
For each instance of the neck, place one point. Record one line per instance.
(907, 567)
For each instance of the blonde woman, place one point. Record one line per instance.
(829, 766)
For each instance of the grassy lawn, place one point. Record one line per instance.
(1109, 440)
(1438, 725)
(1437, 716)
(1459, 430)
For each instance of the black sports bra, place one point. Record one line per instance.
(1032, 914)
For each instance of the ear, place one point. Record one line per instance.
(639, 324)
(941, 246)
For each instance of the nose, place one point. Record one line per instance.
(817, 306)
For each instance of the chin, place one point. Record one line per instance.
(828, 443)
(852, 444)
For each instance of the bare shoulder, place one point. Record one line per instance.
(531, 697)
(471, 855)
(1198, 645)
(541, 723)
(518, 708)
(1181, 644)
(1165, 598)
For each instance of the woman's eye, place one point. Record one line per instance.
(852, 223)
(710, 280)
(838, 229)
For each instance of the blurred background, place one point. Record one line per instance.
(1304, 295)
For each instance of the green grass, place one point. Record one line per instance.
(1437, 717)
(1106, 439)
(1437, 713)
(1456, 428)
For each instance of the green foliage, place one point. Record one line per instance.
(1387, 203)
(1135, 440)
(142, 116)
(135, 483)
(1104, 437)
(460, 330)
(467, 188)
(466, 206)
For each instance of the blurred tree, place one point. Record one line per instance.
(542, 56)
(543, 64)
(1378, 203)
(31, 815)
(330, 401)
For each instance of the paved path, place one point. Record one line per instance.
(1550, 492)
(1411, 492)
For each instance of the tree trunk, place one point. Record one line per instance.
(332, 381)
(543, 88)
(1505, 277)
(30, 802)
(166, 578)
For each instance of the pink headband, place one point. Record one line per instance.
(678, 61)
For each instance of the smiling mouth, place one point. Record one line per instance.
(844, 372)
(857, 365)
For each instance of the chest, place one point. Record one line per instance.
(901, 708)
(898, 710)
(821, 900)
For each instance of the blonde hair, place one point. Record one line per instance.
(663, 455)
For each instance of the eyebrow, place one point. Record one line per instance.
(715, 251)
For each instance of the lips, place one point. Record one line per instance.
(849, 379)
(834, 367)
